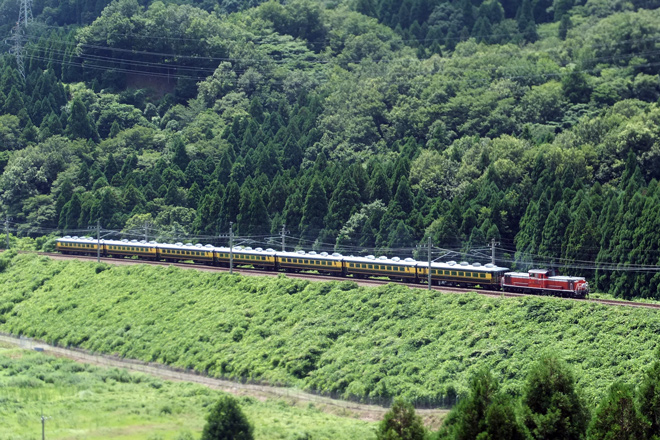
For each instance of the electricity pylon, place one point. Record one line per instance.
(19, 33)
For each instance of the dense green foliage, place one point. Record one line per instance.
(335, 338)
(552, 407)
(484, 414)
(401, 423)
(226, 421)
(364, 126)
(617, 416)
(98, 403)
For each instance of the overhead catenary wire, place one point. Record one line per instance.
(268, 240)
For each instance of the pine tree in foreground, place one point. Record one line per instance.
(617, 417)
(401, 423)
(226, 421)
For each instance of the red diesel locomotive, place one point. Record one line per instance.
(542, 281)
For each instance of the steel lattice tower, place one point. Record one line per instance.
(19, 33)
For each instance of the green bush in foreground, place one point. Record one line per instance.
(484, 414)
(552, 407)
(226, 421)
(649, 400)
(617, 417)
(401, 423)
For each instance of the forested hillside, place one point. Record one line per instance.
(364, 126)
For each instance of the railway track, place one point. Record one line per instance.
(358, 281)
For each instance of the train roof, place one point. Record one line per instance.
(311, 254)
(182, 246)
(126, 242)
(246, 250)
(76, 239)
(394, 261)
(464, 265)
(567, 278)
(518, 274)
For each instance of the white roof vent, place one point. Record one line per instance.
(198, 245)
(324, 254)
(301, 252)
(409, 260)
(490, 265)
(248, 248)
(396, 259)
(311, 253)
(476, 264)
(258, 249)
(336, 254)
(382, 257)
(270, 250)
(124, 240)
(371, 257)
(208, 246)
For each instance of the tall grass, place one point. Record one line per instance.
(82, 401)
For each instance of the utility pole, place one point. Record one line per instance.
(231, 248)
(283, 238)
(98, 240)
(429, 256)
(43, 425)
(492, 251)
(146, 231)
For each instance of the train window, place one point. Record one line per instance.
(350, 264)
(370, 266)
(483, 275)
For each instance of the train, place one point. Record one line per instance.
(459, 274)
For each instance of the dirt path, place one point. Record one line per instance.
(432, 417)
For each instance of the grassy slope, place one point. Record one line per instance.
(94, 403)
(328, 336)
